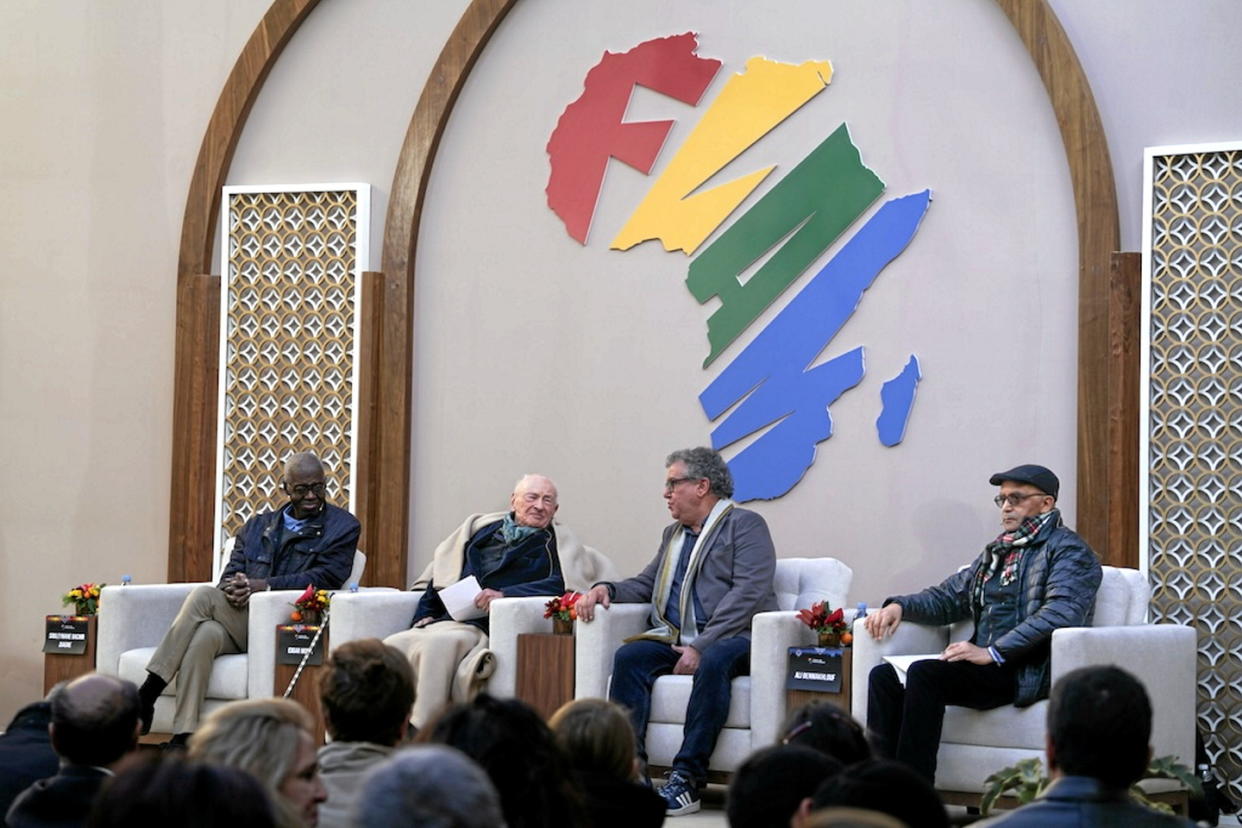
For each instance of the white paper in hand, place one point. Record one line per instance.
(901, 663)
(459, 598)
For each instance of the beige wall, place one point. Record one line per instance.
(102, 107)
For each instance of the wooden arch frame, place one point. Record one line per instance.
(1107, 444)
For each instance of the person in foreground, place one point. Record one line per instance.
(428, 785)
(712, 573)
(598, 739)
(165, 789)
(366, 691)
(271, 740)
(26, 752)
(878, 785)
(515, 553)
(1035, 577)
(94, 725)
(306, 541)
(770, 787)
(1097, 746)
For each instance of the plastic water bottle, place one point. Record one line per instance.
(126, 580)
(353, 586)
(862, 609)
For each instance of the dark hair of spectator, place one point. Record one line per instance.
(517, 750)
(828, 729)
(769, 786)
(597, 736)
(367, 690)
(155, 790)
(1099, 723)
(95, 719)
(885, 786)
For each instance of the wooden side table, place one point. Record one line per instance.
(842, 699)
(306, 691)
(59, 667)
(545, 671)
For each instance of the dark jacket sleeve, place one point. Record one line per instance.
(237, 558)
(946, 603)
(551, 584)
(640, 588)
(754, 567)
(1073, 579)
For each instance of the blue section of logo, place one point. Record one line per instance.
(897, 398)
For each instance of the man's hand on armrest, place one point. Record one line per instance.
(484, 599)
(598, 594)
(883, 623)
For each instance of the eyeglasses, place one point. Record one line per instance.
(1013, 498)
(669, 485)
(302, 490)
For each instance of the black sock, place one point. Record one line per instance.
(148, 693)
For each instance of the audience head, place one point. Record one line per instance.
(885, 786)
(516, 749)
(271, 740)
(94, 720)
(156, 790)
(830, 730)
(534, 501)
(429, 786)
(1099, 725)
(367, 689)
(851, 818)
(769, 786)
(597, 737)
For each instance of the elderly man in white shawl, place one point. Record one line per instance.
(517, 553)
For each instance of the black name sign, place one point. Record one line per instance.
(294, 641)
(66, 634)
(817, 669)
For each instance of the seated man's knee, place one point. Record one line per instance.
(208, 636)
(884, 675)
(719, 659)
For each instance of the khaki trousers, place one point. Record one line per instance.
(207, 626)
(436, 653)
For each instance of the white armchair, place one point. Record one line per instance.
(134, 618)
(378, 613)
(977, 743)
(757, 707)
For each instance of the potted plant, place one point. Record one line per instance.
(84, 597)
(562, 610)
(830, 625)
(1026, 780)
(310, 606)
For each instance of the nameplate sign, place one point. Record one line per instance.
(817, 669)
(66, 634)
(294, 642)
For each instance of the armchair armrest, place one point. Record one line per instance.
(596, 642)
(1162, 656)
(267, 610)
(908, 639)
(772, 634)
(375, 612)
(511, 617)
(135, 616)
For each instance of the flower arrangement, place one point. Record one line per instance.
(563, 608)
(85, 598)
(310, 604)
(821, 620)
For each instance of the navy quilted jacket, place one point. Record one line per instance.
(1058, 575)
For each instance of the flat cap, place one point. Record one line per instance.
(1038, 476)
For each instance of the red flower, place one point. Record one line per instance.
(820, 619)
(562, 606)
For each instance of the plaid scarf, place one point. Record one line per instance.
(1002, 555)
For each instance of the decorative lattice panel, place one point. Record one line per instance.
(1194, 423)
(289, 352)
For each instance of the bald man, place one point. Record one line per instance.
(94, 724)
(305, 541)
(514, 553)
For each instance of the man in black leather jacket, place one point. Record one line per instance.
(1037, 576)
(1099, 727)
(306, 541)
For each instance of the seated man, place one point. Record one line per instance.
(366, 692)
(516, 553)
(94, 725)
(712, 573)
(1035, 577)
(1099, 726)
(306, 541)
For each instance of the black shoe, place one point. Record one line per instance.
(681, 795)
(177, 744)
(148, 694)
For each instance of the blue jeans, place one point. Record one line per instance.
(638, 664)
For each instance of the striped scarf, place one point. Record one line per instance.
(1007, 549)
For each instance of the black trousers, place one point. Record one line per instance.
(905, 722)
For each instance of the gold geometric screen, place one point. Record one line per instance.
(288, 379)
(1193, 428)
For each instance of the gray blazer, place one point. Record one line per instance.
(734, 582)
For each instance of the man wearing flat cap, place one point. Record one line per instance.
(1036, 577)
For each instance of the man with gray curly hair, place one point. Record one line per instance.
(712, 573)
(430, 786)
